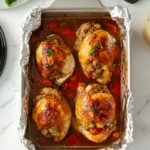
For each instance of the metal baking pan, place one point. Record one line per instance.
(85, 9)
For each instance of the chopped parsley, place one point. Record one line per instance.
(46, 66)
(55, 130)
(86, 105)
(93, 122)
(49, 52)
(110, 128)
(94, 110)
(101, 75)
(52, 64)
(54, 118)
(95, 48)
(55, 70)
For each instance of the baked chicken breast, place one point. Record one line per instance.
(51, 114)
(54, 59)
(95, 111)
(95, 47)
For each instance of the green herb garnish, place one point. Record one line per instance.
(86, 105)
(55, 130)
(93, 51)
(93, 110)
(55, 70)
(93, 122)
(54, 118)
(46, 66)
(9, 2)
(49, 52)
(110, 128)
(52, 64)
(101, 75)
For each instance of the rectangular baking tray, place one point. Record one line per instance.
(78, 9)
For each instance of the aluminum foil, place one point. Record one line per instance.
(121, 16)
(31, 22)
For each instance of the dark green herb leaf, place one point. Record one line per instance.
(9, 2)
(110, 128)
(86, 105)
(55, 70)
(93, 122)
(94, 110)
(55, 130)
(93, 51)
(52, 64)
(49, 52)
(54, 118)
(47, 66)
(101, 75)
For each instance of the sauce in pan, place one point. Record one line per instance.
(66, 28)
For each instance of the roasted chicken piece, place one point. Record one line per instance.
(51, 114)
(95, 47)
(95, 110)
(54, 59)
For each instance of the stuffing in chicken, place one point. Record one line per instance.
(51, 114)
(95, 111)
(95, 47)
(54, 59)
(84, 30)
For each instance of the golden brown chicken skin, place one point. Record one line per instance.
(95, 111)
(54, 59)
(51, 114)
(95, 52)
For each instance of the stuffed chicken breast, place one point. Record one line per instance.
(51, 114)
(95, 111)
(95, 47)
(54, 59)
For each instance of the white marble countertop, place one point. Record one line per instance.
(10, 80)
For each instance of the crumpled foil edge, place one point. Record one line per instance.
(120, 14)
(31, 22)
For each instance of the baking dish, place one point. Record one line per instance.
(78, 9)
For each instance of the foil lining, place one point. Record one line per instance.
(30, 23)
(121, 16)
